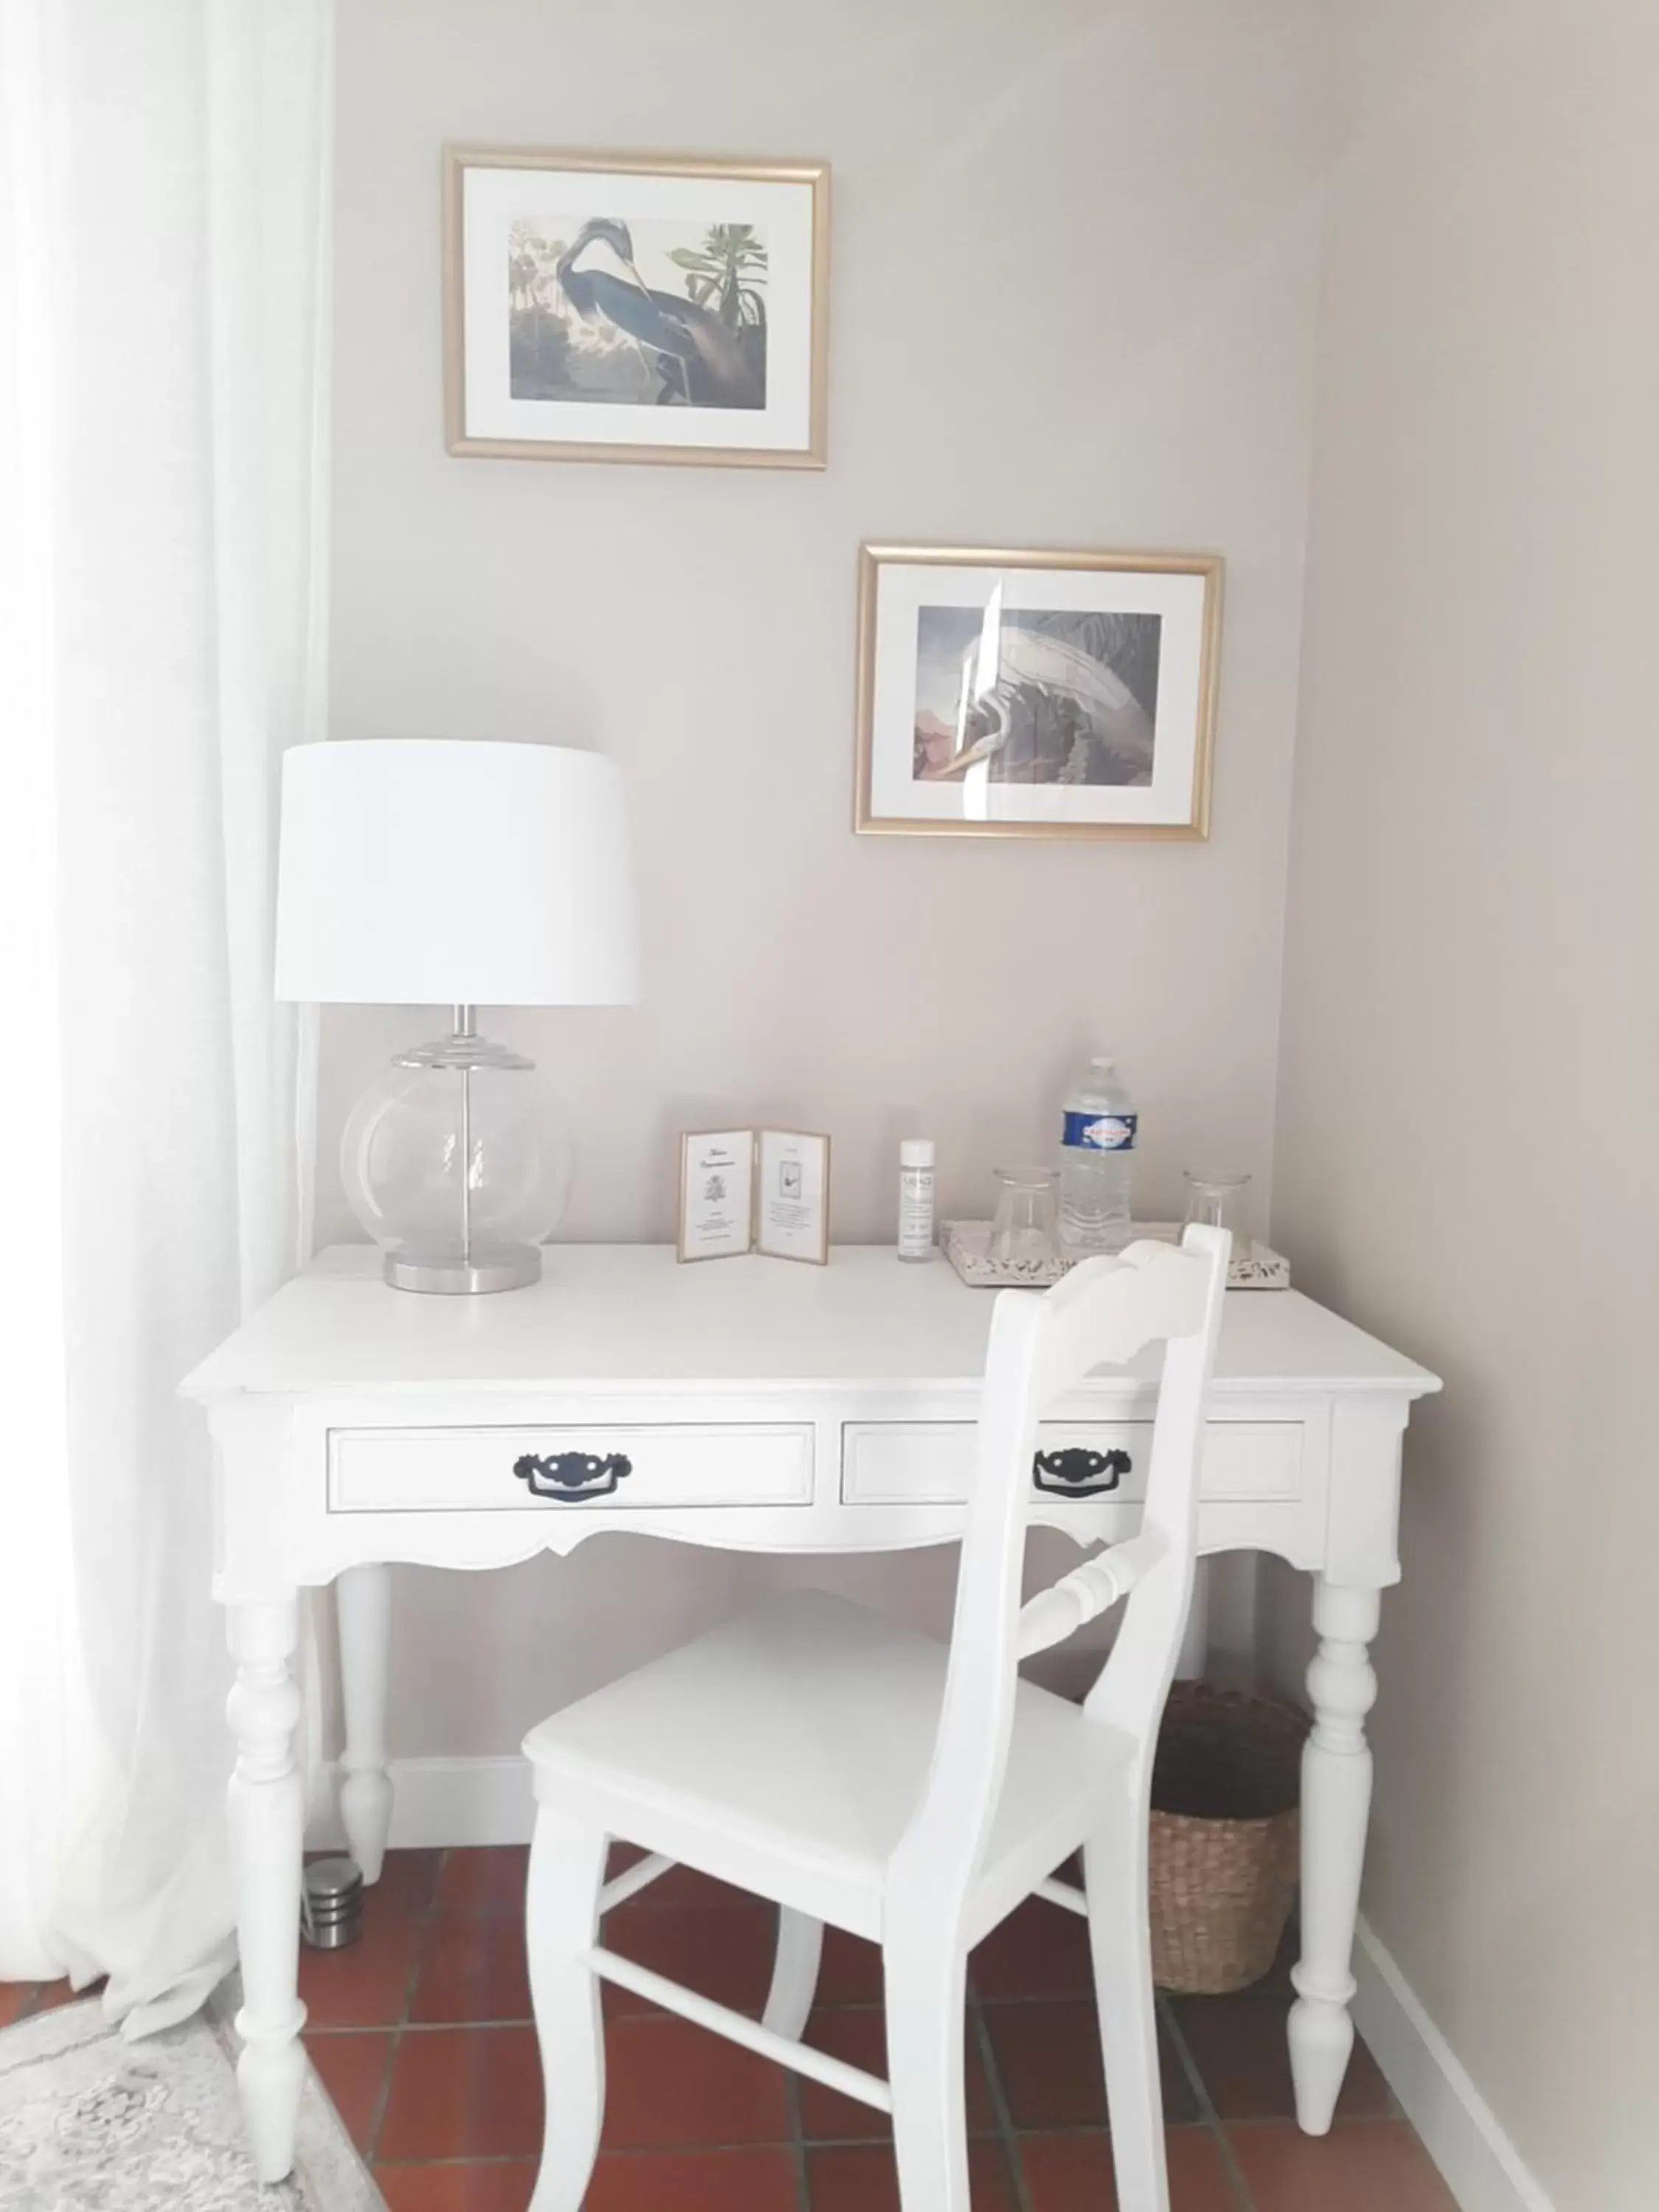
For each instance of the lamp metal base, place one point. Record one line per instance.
(492, 1267)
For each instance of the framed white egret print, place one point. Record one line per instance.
(635, 307)
(1036, 695)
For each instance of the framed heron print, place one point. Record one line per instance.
(635, 307)
(1036, 695)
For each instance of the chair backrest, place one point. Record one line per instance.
(1042, 1344)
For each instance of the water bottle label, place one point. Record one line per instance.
(1102, 1132)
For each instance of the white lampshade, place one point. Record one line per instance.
(436, 872)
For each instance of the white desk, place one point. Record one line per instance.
(754, 1405)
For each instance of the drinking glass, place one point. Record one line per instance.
(1026, 1229)
(1214, 1199)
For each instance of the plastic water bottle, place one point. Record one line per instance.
(1097, 1161)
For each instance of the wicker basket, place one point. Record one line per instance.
(1224, 1832)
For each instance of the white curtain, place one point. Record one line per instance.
(163, 335)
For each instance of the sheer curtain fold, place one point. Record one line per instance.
(164, 277)
(44, 1718)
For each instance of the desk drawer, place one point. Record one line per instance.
(905, 1463)
(567, 1470)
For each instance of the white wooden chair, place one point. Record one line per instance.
(859, 1773)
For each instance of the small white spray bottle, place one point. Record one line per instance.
(916, 1209)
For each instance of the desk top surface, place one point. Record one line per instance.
(614, 1314)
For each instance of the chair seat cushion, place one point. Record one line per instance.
(802, 1732)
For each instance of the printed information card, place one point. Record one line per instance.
(748, 1190)
(717, 1193)
(792, 1213)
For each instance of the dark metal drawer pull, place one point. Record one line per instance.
(1078, 1472)
(568, 1476)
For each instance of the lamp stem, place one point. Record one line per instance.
(465, 1018)
(466, 1167)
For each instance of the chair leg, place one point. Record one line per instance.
(927, 2022)
(1120, 1939)
(794, 1973)
(561, 1918)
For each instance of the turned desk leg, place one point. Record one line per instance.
(362, 1606)
(1336, 1798)
(267, 1819)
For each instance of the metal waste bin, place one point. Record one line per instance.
(331, 1904)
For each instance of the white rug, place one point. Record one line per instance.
(90, 2123)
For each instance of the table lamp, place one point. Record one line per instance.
(432, 872)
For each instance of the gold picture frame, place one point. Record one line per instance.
(802, 408)
(780, 1230)
(732, 1217)
(894, 797)
(722, 1151)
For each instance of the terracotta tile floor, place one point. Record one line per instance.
(420, 2032)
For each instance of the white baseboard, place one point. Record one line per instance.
(440, 1801)
(1482, 2167)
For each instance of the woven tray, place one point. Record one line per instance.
(1254, 1267)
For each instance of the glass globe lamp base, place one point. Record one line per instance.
(490, 1267)
(458, 1163)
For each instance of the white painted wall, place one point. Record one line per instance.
(1469, 1087)
(1075, 276)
